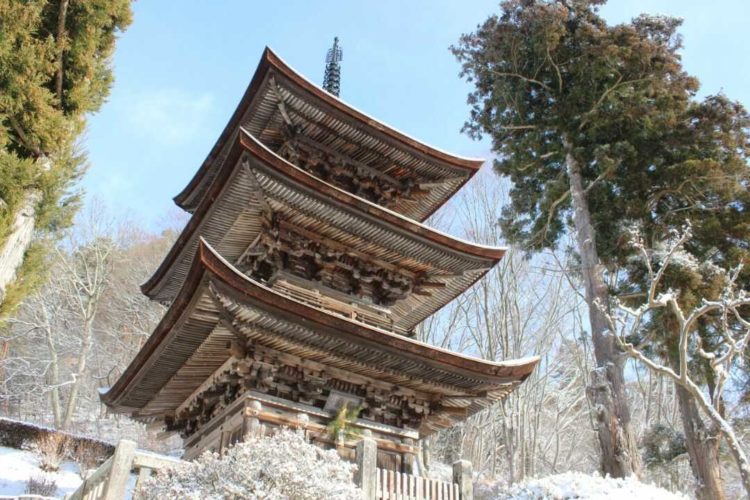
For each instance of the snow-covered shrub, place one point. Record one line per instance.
(278, 467)
(575, 485)
(440, 472)
(662, 444)
(41, 485)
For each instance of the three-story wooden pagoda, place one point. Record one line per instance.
(296, 286)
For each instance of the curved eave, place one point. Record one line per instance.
(248, 144)
(270, 61)
(209, 265)
(248, 288)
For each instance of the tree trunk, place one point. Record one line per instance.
(702, 444)
(734, 443)
(18, 240)
(80, 369)
(54, 370)
(703, 448)
(619, 453)
(62, 13)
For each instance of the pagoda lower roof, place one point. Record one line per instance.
(279, 96)
(254, 180)
(218, 304)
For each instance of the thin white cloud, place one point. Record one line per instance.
(169, 116)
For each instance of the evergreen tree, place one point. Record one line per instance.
(54, 70)
(597, 128)
(696, 173)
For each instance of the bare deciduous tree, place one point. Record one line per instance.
(726, 314)
(521, 308)
(80, 331)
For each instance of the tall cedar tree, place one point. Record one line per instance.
(54, 70)
(569, 100)
(597, 129)
(694, 172)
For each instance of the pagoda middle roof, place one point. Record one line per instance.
(254, 179)
(331, 122)
(218, 303)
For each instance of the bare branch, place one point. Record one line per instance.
(522, 77)
(628, 323)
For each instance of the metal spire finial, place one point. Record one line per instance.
(332, 77)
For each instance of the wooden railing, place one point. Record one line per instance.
(110, 480)
(392, 485)
(379, 484)
(337, 304)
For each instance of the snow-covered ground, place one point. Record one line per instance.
(17, 466)
(576, 485)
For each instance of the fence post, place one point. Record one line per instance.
(251, 420)
(143, 474)
(462, 477)
(410, 459)
(366, 475)
(122, 462)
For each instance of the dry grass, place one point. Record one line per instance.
(87, 455)
(41, 485)
(53, 448)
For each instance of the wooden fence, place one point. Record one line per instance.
(110, 480)
(392, 485)
(379, 484)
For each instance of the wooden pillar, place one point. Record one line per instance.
(427, 454)
(410, 459)
(251, 420)
(224, 441)
(143, 474)
(366, 475)
(340, 444)
(303, 420)
(463, 477)
(122, 462)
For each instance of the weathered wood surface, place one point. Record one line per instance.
(365, 476)
(463, 478)
(110, 480)
(369, 243)
(94, 484)
(119, 471)
(384, 484)
(278, 96)
(243, 309)
(314, 283)
(393, 485)
(387, 484)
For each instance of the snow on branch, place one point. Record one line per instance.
(732, 329)
(282, 466)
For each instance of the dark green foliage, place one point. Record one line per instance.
(544, 74)
(343, 421)
(553, 82)
(39, 121)
(662, 444)
(653, 156)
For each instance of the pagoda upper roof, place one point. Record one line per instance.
(217, 303)
(278, 96)
(254, 180)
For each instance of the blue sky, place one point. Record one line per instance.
(182, 66)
